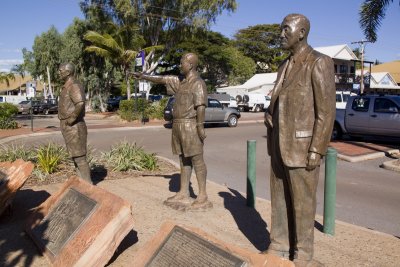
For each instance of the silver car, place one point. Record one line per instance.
(215, 113)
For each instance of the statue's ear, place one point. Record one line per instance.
(302, 33)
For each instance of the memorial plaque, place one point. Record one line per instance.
(80, 224)
(64, 220)
(183, 248)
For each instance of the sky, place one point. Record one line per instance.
(332, 23)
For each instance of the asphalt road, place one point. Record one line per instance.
(367, 195)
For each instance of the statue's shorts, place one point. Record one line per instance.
(185, 139)
(75, 137)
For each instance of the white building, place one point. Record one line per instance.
(344, 64)
(261, 83)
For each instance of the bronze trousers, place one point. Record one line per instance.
(293, 206)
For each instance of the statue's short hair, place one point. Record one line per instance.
(68, 66)
(192, 58)
(302, 20)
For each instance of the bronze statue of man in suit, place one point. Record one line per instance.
(299, 123)
(187, 130)
(71, 112)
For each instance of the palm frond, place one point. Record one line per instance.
(98, 51)
(154, 47)
(372, 12)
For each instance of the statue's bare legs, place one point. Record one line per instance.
(182, 200)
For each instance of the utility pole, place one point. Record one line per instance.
(362, 49)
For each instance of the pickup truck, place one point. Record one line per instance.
(368, 115)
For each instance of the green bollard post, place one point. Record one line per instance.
(330, 191)
(251, 173)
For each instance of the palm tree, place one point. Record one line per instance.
(372, 12)
(115, 48)
(6, 77)
(19, 69)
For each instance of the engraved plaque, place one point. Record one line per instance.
(182, 248)
(64, 220)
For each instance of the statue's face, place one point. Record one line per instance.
(186, 66)
(63, 72)
(291, 33)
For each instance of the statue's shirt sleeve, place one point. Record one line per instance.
(172, 83)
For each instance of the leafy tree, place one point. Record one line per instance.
(20, 70)
(261, 43)
(371, 13)
(219, 62)
(115, 48)
(6, 77)
(241, 68)
(161, 22)
(46, 53)
(29, 61)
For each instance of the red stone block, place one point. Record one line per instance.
(80, 225)
(174, 245)
(12, 178)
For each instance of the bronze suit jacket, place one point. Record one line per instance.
(303, 104)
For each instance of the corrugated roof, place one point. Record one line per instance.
(342, 51)
(260, 79)
(392, 67)
(14, 84)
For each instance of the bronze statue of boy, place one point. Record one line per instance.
(187, 131)
(71, 112)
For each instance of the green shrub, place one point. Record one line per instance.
(130, 112)
(50, 156)
(7, 111)
(14, 152)
(156, 109)
(125, 156)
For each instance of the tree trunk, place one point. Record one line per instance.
(128, 85)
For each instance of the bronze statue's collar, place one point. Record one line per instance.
(191, 77)
(68, 83)
(301, 56)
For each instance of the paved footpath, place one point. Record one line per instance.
(230, 220)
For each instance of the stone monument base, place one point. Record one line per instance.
(181, 246)
(13, 175)
(80, 225)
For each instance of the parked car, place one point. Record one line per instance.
(47, 106)
(369, 115)
(24, 107)
(153, 98)
(215, 113)
(113, 102)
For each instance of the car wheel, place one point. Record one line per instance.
(241, 108)
(336, 132)
(232, 120)
(46, 111)
(257, 108)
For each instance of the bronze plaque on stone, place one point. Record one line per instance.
(64, 220)
(182, 248)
